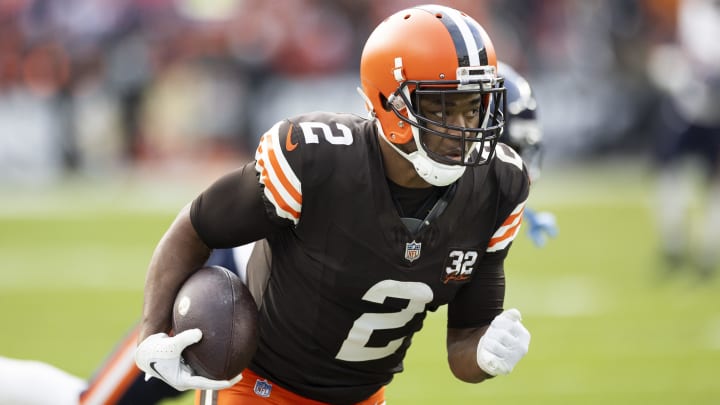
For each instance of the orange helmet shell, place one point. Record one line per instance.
(432, 42)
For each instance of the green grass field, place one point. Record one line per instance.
(605, 327)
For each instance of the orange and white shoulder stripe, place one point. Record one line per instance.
(508, 230)
(282, 187)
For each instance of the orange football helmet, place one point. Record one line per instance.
(433, 51)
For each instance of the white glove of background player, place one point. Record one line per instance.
(504, 343)
(160, 356)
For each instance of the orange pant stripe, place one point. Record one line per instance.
(255, 390)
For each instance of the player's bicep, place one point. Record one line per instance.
(481, 300)
(231, 211)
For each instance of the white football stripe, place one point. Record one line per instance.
(468, 38)
(500, 245)
(271, 171)
(268, 173)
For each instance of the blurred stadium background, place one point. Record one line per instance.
(115, 113)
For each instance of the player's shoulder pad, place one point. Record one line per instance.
(323, 129)
(297, 155)
(511, 173)
(313, 133)
(311, 138)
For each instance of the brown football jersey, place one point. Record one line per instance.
(350, 283)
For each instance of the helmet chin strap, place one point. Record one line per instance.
(435, 173)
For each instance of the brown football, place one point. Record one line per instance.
(214, 300)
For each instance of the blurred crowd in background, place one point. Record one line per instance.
(95, 86)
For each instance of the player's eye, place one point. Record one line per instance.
(435, 114)
(473, 112)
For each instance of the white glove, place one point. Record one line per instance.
(504, 343)
(160, 356)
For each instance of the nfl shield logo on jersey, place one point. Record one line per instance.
(412, 251)
(262, 388)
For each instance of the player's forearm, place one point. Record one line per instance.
(179, 253)
(462, 347)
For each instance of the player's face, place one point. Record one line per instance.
(456, 110)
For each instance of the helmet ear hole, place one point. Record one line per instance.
(399, 132)
(384, 102)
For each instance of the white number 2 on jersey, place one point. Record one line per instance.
(355, 348)
(344, 137)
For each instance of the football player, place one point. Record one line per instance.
(523, 133)
(118, 381)
(371, 223)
